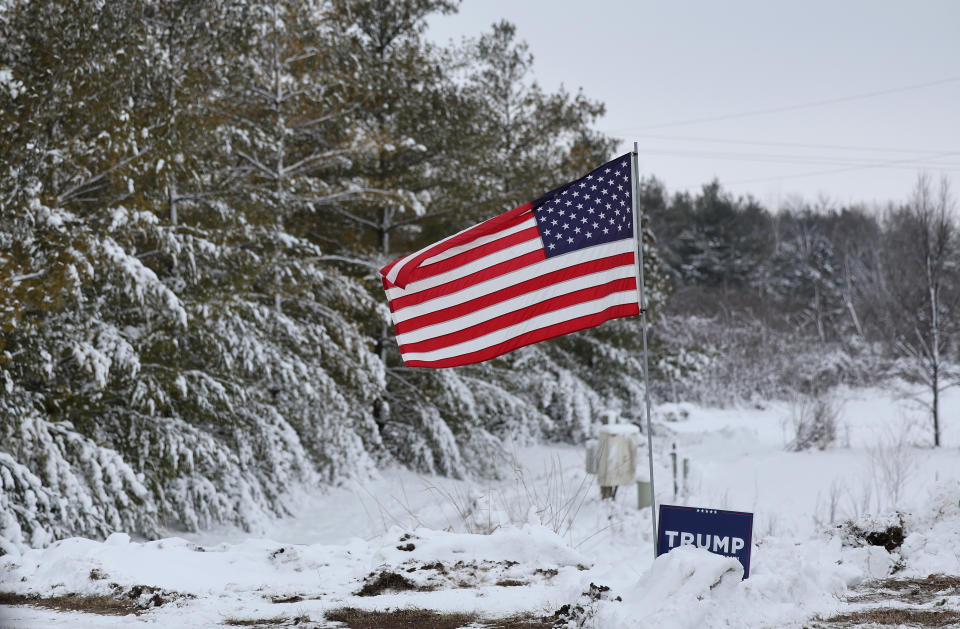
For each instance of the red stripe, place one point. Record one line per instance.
(468, 280)
(534, 336)
(476, 253)
(535, 283)
(411, 270)
(518, 316)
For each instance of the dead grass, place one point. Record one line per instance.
(275, 621)
(428, 619)
(898, 617)
(103, 605)
(386, 581)
(916, 591)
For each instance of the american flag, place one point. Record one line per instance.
(562, 263)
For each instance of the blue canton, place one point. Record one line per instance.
(594, 210)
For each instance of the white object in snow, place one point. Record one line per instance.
(591, 456)
(617, 455)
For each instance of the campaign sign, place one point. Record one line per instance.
(727, 533)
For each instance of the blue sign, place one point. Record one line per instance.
(727, 533)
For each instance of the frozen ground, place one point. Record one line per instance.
(550, 537)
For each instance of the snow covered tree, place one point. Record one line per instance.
(921, 273)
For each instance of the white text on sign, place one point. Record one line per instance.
(726, 545)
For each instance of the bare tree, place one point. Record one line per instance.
(922, 277)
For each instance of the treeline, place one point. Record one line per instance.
(195, 198)
(766, 305)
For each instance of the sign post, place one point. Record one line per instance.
(727, 533)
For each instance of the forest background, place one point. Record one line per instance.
(194, 202)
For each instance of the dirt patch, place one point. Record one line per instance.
(104, 605)
(120, 603)
(296, 598)
(898, 617)
(510, 583)
(428, 619)
(276, 621)
(890, 538)
(914, 591)
(386, 581)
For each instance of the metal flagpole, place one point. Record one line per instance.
(638, 238)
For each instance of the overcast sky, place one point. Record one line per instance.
(670, 70)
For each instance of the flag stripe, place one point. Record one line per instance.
(437, 319)
(541, 334)
(499, 277)
(526, 223)
(465, 257)
(410, 270)
(493, 323)
(505, 335)
(439, 279)
(482, 274)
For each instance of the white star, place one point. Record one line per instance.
(619, 227)
(553, 246)
(569, 203)
(602, 215)
(583, 184)
(595, 225)
(608, 170)
(566, 226)
(586, 196)
(591, 210)
(583, 220)
(605, 230)
(576, 230)
(589, 234)
(562, 212)
(547, 232)
(594, 187)
(558, 236)
(576, 194)
(570, 240)
(553, 222)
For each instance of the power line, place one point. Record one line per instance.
(838, 147)
(802, 159)
(839, 170)
(774, 110)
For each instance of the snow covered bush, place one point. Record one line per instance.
(813, 423)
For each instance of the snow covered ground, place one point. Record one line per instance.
(537, 539)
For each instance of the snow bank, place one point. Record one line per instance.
(789, 581)
(932, 544)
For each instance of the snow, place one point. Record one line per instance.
(550, 536)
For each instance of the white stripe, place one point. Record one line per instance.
(500, 282)
(516, 303)
(479, 264)
(535, 323)
(395, 269)
(449, 253)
